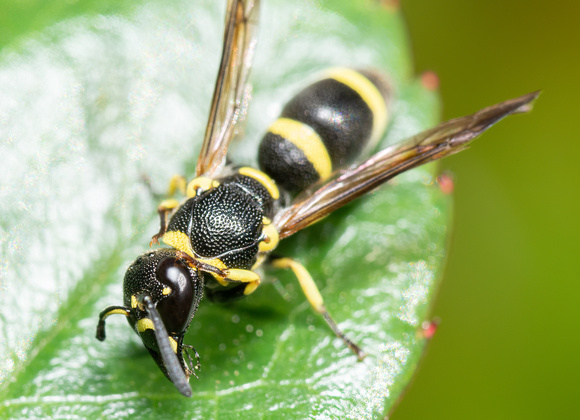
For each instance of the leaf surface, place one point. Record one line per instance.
(91, 105)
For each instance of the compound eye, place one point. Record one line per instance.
(177, 305)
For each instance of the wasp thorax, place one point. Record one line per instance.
(226, 223)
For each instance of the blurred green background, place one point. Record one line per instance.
(508, 345)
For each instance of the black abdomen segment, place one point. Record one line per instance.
(325, 127)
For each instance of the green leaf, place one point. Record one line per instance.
(92, 104)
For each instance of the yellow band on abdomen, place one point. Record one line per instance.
(369, 94)
(263, 179)
(306, 139)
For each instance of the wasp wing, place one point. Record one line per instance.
(231, 86)
(446, 139)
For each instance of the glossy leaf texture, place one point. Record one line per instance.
(91, 106)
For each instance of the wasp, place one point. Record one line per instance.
(234, 217)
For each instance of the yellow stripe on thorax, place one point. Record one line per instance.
(369, 94)
(263, 179)
(306, 139)
(179, 241)
(201, 182)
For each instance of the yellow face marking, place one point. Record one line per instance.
(202, 182)
(272, 238)
(166, 291)
(369, 93)
(179, 241)
(173, 344)
(145, 324)
(306, 139)
(133, 302)
(263, 179)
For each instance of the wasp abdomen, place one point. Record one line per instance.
(325, 127)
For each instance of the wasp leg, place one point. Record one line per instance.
(238, 275)
(177, 182)
(192, 368)
(281, 290)
(164, 210)
(111, 310)
(315, 298)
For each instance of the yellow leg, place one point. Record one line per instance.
(191, 367)
(242, 276)
(164, 209)
(315, 298)
(177, 182)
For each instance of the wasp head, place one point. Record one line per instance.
(161, 295)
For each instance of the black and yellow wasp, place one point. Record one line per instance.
(234, 217)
